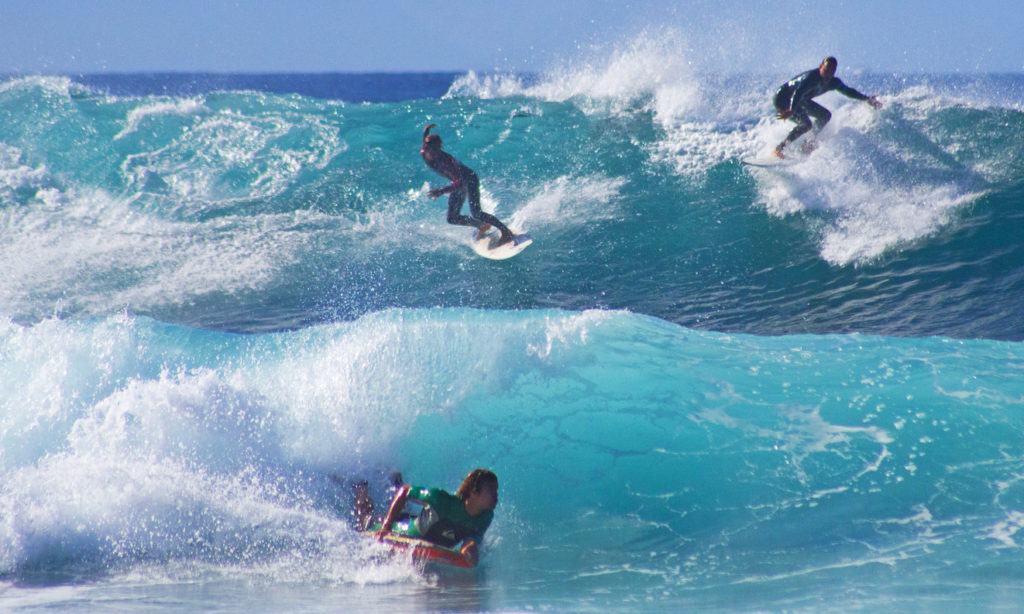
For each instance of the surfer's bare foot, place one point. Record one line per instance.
(777, 152)
(482, 231)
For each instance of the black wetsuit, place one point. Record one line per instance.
(464, 183)
(796, 95)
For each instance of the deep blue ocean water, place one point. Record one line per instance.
(704, 387)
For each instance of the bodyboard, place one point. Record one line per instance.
(422, 550)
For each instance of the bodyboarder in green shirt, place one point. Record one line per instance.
(446, 519)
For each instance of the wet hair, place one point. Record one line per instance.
(477, 479)
(431, 141)
(831, 61)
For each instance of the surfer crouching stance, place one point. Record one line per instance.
(463, 182)
(794, 101)
(445, 519)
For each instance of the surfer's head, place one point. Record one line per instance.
(480, 486)
(828, 67)
(431, 142)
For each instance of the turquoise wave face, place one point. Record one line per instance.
(636, 458)
(252, 211)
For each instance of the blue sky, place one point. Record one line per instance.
(60, 36)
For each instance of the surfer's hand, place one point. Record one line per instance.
(785, 114)
(873, 101)
(435, 193)
(471, 553)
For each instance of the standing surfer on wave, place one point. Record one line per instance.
(794, 101)
(464, 182)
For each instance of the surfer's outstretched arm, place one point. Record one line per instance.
(397, 504)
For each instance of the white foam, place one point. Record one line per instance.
(691, 148)
(15, 176)
(184, 108)
(226, 157)
(1005, 531)
(92, 253)
(873, 199)
(61, 85)
(650, 70)
(487, 86)
(569, 198)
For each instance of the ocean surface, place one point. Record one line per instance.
(705, 387)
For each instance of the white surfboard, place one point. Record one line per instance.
(487, 246)
(794, 155)
(771, 162)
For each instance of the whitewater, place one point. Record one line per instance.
(704, 387)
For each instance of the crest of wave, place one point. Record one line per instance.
(651, 71)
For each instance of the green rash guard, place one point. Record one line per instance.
(443, 520)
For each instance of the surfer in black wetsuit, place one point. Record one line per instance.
(464, 183)
(794, 101)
